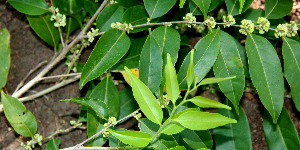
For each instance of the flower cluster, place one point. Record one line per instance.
(281, 30)
(105, 133)
(221, 14)
(91, 34)
(166, 100)
(263, 25)
(60, 19)
(210, 22)
(190, 18)
(30, 144)
(292, 29)
(111, 121)
(199, 28)
(113, 2)
(137, 116)
(122, 26)
(228, 20)
(246, 27)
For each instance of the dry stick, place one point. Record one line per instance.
(58, 76)
(61, 55)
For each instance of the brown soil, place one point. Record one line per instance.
(28, 50)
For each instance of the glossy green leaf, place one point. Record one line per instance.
(214, 4)
(204, 6)
(214, 80)
(229, 64)
(110, 14)
(145, 99)
(282, 135)
(181, 3)
(114, 142)
(157, 8)
(233, 136)
(71, 25)
(97, 105)
(135, 15)
(197, 139)
(44, 28)
(83, 114)
(196, 120)
(194, 9)
(291, 56)
(204, 102)
(171, 81)
(233, 6)
(128, 104)
(163, 141)
(21, 119)
(266, 73)
(110, 48)
(128, 4)
(250, 14)
(207, 50)
(134, 138)
(30, 7)
(132, 58)
(53, 144)
(91, 6)
(151, 64)
(241, 6)
(94, 125)
(243, 56)
(276, 9)
(4, 56)
(178, 148)
(67, 7)
(190, 72)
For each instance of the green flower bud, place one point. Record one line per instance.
(228, 20)
(263, 25)
(246, 27)
(210, 22)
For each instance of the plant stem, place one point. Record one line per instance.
(62, 55)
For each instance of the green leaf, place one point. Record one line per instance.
(30, 7)
(229, 64)
(94, 125)
(204, 102)
(4, 56)
(291, 56)
(250, 14)
(207, 50)
(151, 64)
(67, 7)
(233, 136)
(190, 75)
(276, 9)
(196, 120)
(128, 4)
(91, 6)
(214, 80)
(157, 8)
(134, 138)
(53, 144)
(135, 15)
(97, 105)
(132, 58)
(233, 6)
(243, 56)
(181, 3)
(110, 14)
(128, 104)
(171, 81)
(44, 28)
(110, 48)
(214, 4)
(282, 135)
(178, 148)
(21, 119)
(204, 6)
(145, 99)
(194, 9)
(71, 25)
(197, 139)
(266, 73)
(241, 6)
(114, 142)
(163, 141)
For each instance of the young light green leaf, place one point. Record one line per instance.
(157, 8)
(114, 142)
(128, 104)
(214, 80)
(110, 48)
(291, 56)
(241, 6)
(181, 3)
(171, 81)
(53, 144)
(276, 9)
(4, 56)
(21, 119)
(134, 138)
(163, 141)
(178, 148)
(238, 136)
(110, 14)
(91, 6)
(151, 64)
(94, 125)
(266, 73)
(207, 50)
(197, 139)
(67, 7)
(30, 7)
(233, 6)
(229, 64)
(190, 72)
(204, 102)
(145, 99)
(282, 135)
(44, 28)
(196, 120)
(135, 15)
(97, 105)
(204, 6)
